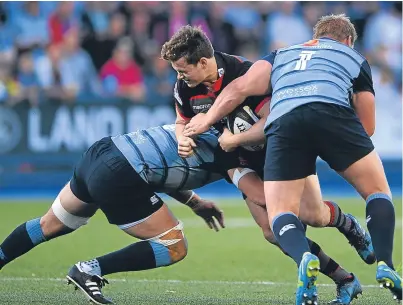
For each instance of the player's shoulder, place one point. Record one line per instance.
(181, 91)
(230, 60)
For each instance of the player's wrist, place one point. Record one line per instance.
(193, 201)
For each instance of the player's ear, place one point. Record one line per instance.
(350, 42)
(203, 62)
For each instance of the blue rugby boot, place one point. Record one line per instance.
(347, 291)
(361, 241)
(307, 274)
(390, 279)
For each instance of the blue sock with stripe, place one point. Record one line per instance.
(381, 225)
(21, 240)
(290, 234)
(143, 255)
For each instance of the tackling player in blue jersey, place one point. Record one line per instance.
(119, 175)
(322, 105)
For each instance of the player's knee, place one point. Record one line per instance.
(59, 222)
(169, 247)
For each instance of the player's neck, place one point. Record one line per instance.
(212, 74)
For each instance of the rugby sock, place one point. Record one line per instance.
(338, 219)
(381, 225)
(290, 234)
(25, 237)
(328, 266)
(137, 256)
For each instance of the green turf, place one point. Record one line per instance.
(234, 266)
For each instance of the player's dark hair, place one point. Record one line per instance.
(338, 27)
(189, 42)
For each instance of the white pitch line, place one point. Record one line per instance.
(196, 282)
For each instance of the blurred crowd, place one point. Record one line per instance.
(73, 52)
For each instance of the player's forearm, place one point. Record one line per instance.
(230, 98)
(189, 198)
(253, 136)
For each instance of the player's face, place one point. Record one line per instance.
(192, 75)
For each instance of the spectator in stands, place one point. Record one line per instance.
(101, 48)
(159, 82)
(61, 21)
(245, 19)
(95, 19)
(140, 35)
(79, 78)
(28, 84)
(383, 37)
(7, 36)
(47, 68)
(285, 27)
(121, 75)
(32, 27)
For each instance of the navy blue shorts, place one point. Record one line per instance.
(104, 177)
(296, 139)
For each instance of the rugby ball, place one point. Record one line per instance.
(241, 120)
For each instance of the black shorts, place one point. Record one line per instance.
(104, 177)
(295, 140)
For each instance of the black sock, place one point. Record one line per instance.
(139, 256)
(337, 218)
(328, 266)
(23, 239)
(290, 234)
(381, 225)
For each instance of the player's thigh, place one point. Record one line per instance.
(313, 211)
(249, 183)
(289, 154)
(367, 175)
(340, 136)
(290, 158)
(156, 224)
(66, 211)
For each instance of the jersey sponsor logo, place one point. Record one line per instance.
(286, 228)
(10, 130)
(296, 92)
(304, 57)
(221, 72)
(154, 199)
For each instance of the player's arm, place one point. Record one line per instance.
(203, 208)
(185, 144)
(256, 81)
(253, 136)
(364, 98)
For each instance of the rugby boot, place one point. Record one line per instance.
(307, 274)
(90, 285)
(390, 279)
(361, 241)
(347, 291)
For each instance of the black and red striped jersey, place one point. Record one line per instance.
(191, 101)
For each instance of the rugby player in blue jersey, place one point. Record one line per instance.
(202, 75)
(120, 176)
(323, 105)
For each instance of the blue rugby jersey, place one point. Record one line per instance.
(153, 153)
(321, 70)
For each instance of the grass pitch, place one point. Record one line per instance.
(233, 266)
